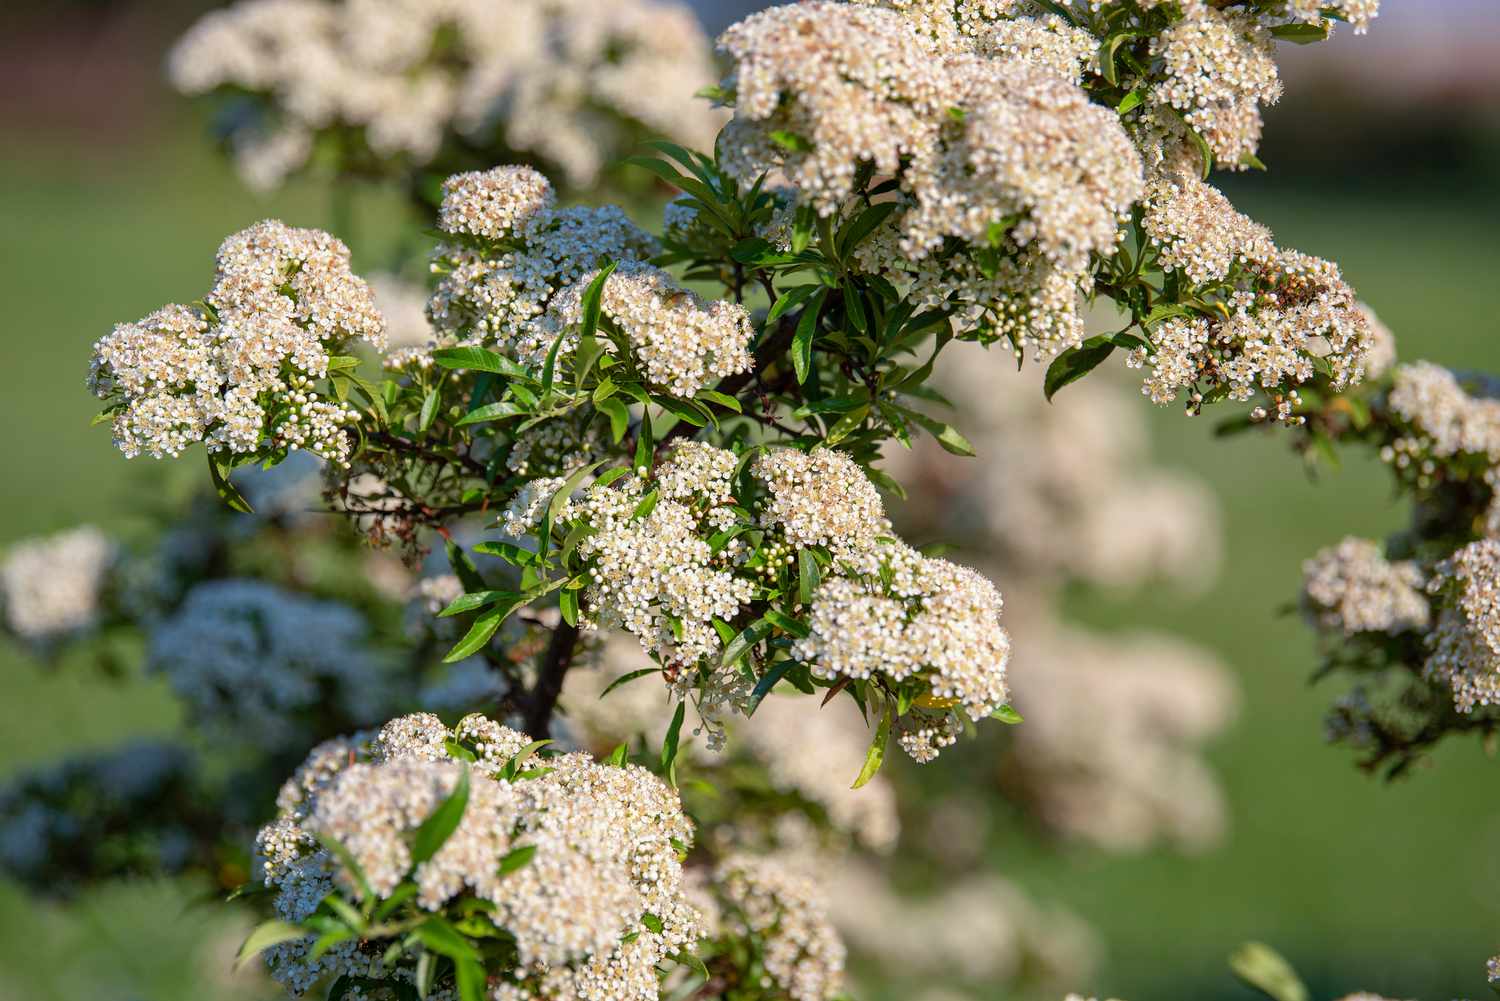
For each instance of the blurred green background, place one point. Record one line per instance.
(112, 204)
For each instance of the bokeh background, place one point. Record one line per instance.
(1384, 159)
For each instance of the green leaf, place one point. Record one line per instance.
(348, 861)
(787, 624)
(218, 471)
(746, 640)
(790, 300)
(478, 599)
(572, 483)
(516, 858)
(477, 360)
(847, 425)
(491, 412)
(264, 936)
(791, 141)
(619, 756)
(809, 576)
(767, 682)
(1300, 32)
(626, 679)
(593, 297)
(479, 633)
(1252, 161)
(619, 416)
(864, 224)
(644, 450)
(807, 328)
(652, 922)
(429, 410)
(669, 744)
(1075, 363)
(1263, 969)
(1006, 714)
(722, 399)
(435, 831)
(442, 938)
(1131, 101)
(472, 982)
(875, 756)
(567, 604)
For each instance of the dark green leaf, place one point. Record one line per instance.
(875, 756)
(807, 328)
(491, 412)
(218, 471)
(746, 640)
(808, 577)
(442, 938)
(1076, 362)
(1300, 32)
(625, 679)
(516, 858)
(790, 300)
(670, 743)
(593, 299)
(442, 822)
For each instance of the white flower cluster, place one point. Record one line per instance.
(1352, 588)
(1111, 750)
(242, 373)
(993, 146)
(654, 572)
(565, 81)
(252, 660)
(682, 343)
(801, 951)
(1297, 316)
(908, 615)
(1465, 640)
(515, 276)
(598, 904)
(1220, 67)
(1195, 229)
(51, 587)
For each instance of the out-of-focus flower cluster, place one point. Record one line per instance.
(242, 372)
(138, 810)
(51, 588)
(388, 87)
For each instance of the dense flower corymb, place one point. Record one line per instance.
(243, 374)
(596, 905)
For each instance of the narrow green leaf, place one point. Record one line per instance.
(1300, 32)
(218, 471)
(1006, 714)
(746, 640)
(787, 624)
(809, 576)
(477, 360)
(264, 936)
(669, 744)
(790, 300)
(472, 982)
(1131, 101)
(625, 679)
(435, 831)
(573, 482)
(802, 340)
(1076, 362)
(478, 599)
(875, 756)
(479, 634)
(619, 756)
(442, 938)
(767, 682)
(491, 412)
(863, 225)
(1264, 969)
(593, 299)
(429, 410)
(516, 858)
(618, 414)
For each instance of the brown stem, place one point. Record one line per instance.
(541, 701)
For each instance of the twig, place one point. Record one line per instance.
(541, 701)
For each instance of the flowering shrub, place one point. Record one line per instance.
(680, 445)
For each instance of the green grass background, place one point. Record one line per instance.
(1390, 888)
